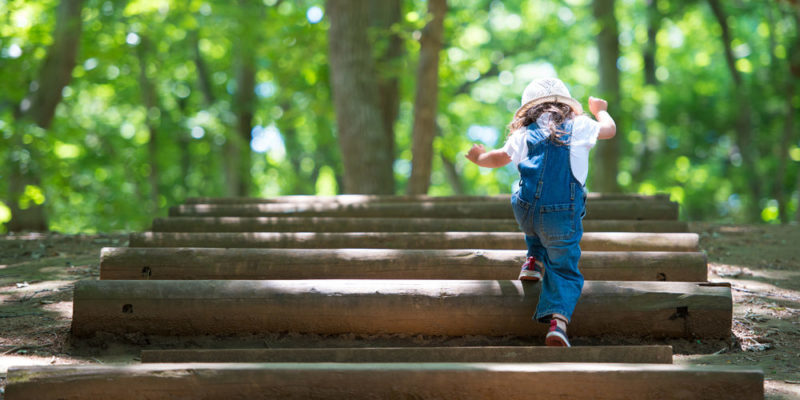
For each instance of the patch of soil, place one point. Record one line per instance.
(761, 262)
(37, 276)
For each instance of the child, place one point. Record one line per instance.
(549, 141)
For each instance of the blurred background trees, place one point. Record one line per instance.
(111, 111)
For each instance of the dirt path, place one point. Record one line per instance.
(38, 272)
(762, 263)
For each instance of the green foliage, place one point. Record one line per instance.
(94, 162)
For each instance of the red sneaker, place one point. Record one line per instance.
(556, 337)
(531, 270)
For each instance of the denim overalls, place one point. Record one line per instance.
(549, 207)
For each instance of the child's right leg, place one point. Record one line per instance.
(561, 288)
(557, 335)
(563, 284)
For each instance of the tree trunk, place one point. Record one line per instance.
(643, 159)
(238, 160)
(39, 107)
(366, 153)
(608, 151)
(452, 175)
(240, 156)
(744, 131)
(426, 102)
(26, 215)
(300, 183)
(184, 145)
(150, 102)
(649, 53)
(783, 152)
(203, 76)
(779, 190)
(383, 15)
(56, 71)
(794, 76)
(204, 82)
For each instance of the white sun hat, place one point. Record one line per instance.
(545, 90)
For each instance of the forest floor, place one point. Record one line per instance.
(762, 262)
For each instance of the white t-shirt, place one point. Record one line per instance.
(584, 137)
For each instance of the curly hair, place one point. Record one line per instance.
(559, 112)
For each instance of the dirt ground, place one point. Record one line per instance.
(762, 263)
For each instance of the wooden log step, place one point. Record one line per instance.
(428, 307)
(337, 224)
(591, 241)
(509, 381)
(601, 209)
(515, 354)
(213, 263)
(366, 198)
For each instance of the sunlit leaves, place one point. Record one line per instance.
(95, 163)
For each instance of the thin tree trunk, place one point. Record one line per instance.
(150, 102)
(452, 174)
(203, 76)
(649, 53)
(643, 159)
(56, 71)
(204, 82)
(39, 107)
(744, 123)
(366, 152)
(238, 160)
(184, 143)
(426, 102)
(783, 151)
(608, 151)
(244, 106)
(300, 182)
(794, 76)
(26, 215)
(383, 16)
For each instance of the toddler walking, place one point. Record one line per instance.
(549, 141)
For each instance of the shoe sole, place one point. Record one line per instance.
(556, 340)
(532, 276)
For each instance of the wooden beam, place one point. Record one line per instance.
(366, 198)
(601, 209)
(339, 224)
(595, 381)
(591, 241)
(212, 263)
(429, 307)
(514, 354)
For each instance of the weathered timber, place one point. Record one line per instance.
(213, 263)
(601, 209)
(337, 224)
(430, 307)
(366, 198)
(516, 354)
(508, 381)
(591, 241)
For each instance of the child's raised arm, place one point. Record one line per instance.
(599, 107)
(491, 159)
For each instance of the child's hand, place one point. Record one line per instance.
(608, 128)
(596, 105)
(475, 152)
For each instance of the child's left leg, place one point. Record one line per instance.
(532, 270)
